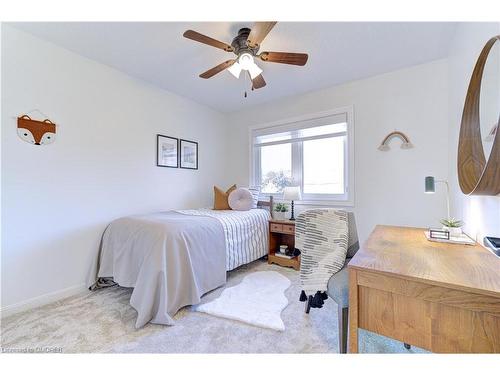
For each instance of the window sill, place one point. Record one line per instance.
(324, 202)
(315, 202)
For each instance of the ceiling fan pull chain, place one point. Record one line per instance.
(245, 83)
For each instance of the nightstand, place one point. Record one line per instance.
(282, 232)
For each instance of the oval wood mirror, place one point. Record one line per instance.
(479, 173)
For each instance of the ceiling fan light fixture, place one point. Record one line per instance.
(254, 70)
(235, 69)
(245, 60)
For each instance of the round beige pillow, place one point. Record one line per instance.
(240, 199)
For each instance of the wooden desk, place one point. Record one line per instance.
(441, 297)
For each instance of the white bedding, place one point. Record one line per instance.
(245, 232)
(172, 258)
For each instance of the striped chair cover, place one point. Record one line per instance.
(322, 237)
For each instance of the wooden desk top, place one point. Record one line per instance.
(405, 252)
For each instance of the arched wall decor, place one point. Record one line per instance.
(476, 175)
(384, 145)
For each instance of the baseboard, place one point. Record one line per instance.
(42, 300)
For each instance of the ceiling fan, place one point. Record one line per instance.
(246, 47)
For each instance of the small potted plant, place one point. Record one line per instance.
(280, 209)
(453, 226)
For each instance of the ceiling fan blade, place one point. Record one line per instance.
(258, 82)
(259, 32)
(285, 57)
(217, 69)
(193, 35)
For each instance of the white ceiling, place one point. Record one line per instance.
(338, 52)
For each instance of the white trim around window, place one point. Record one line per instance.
(302, 122)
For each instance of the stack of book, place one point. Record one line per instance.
(281, 255)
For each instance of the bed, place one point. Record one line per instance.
(171, 259)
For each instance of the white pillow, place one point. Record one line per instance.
(255, 190)
(240, 199)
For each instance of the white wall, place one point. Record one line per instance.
(57, 199)
(480, 214)
(388, 185)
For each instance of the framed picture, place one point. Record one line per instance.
(189, 154)
(167, 151)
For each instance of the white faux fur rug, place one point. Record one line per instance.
(258, 300)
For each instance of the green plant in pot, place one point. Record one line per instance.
(453, 226)
(280, 210)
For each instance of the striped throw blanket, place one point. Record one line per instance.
(245, 233)
(322, 237)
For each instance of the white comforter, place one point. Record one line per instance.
(169, 259)
(172, 258)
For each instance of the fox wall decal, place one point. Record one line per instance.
(36, 132)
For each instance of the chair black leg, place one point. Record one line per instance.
(308, 304)
(343, 313)
(407, 346)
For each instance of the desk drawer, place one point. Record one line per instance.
(431, 317)
(276, 227)
(290, 229)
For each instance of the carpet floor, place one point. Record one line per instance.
(103, 322)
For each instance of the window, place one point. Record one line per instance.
(314, 153)
(276, 167)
